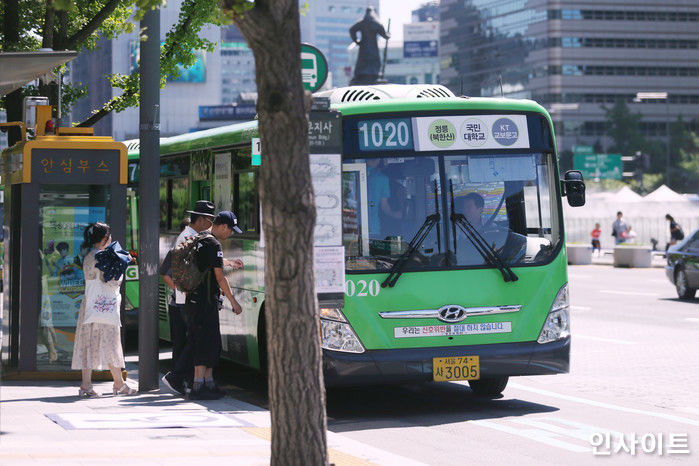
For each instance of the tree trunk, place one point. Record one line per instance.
(296, 389)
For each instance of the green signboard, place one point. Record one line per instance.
(314, 68)
(603, 166)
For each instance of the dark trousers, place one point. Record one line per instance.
(204, 338)
(182, 362)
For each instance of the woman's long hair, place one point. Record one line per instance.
(669, 217)
(95, 233)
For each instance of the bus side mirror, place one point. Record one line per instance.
(574, 188)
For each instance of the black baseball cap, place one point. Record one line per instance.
(227, 217)
(205, 208)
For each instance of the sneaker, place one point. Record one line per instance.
(202, 394)
(215, 391)
(174, 383)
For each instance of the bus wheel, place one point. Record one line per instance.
(488, 387)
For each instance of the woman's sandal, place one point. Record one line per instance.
(124, 390)
(89, 393)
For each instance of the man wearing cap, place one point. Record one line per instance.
(201, 219)
(202, 306)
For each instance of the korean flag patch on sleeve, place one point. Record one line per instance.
(219, 254)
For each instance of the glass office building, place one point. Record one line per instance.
(575, 56)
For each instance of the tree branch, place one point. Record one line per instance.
(92, 25)
(166, 54)
(104, 111)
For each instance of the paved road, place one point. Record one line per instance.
(634, 372)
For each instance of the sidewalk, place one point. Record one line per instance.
(138, 429)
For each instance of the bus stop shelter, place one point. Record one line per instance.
(18, 68)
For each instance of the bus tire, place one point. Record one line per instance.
(488, 387)
(682, 286)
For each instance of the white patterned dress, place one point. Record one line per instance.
(97, 346)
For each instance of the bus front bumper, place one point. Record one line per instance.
(415, 364)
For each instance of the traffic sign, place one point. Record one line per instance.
(314, 68)
(583, 150)
(603, 166)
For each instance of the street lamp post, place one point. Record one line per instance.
(640, 97)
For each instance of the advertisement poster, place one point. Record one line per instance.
(62, 279)
(223, 196)
(194, 74)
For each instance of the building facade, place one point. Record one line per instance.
(237, 65)
(574, 57)
(325, 24)
(179, 100)
(429, 11)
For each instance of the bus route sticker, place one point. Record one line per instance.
(505, 131)
(442, 133)
(474, 132)
(452, 330)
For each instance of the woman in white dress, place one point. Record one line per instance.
(98, 346)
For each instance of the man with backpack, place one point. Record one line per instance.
(201, 219)
(203, 303)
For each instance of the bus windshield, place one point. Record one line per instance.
(509, 199)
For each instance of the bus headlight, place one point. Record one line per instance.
(557, 324)
(337, 334)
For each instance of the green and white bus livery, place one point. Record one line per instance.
(452, 231)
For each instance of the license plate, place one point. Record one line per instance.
(456, 368)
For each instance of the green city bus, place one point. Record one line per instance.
(452, 227)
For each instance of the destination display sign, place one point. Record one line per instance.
(463, 132)
(441, 133)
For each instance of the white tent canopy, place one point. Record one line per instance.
(664, 194)
(625, 194)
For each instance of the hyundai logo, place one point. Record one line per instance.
(452, 313)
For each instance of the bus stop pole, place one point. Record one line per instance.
(149, 210)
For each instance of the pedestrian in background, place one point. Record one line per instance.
(629, 235)
(98, 345)
(201, 219)
(676, 233)
(595, 234)
(178, 327)
(618, 228)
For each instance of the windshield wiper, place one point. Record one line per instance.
(415, 243)
(481, 245)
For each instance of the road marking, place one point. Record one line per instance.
(538, 435)
(608, 340)
(600, 404)
(629, 293)
(580, 308)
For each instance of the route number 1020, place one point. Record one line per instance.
(384, 134)
(362, 288)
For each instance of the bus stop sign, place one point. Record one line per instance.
(314, 68)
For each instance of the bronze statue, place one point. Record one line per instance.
(368, 66)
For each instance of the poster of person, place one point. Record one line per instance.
(62, 278)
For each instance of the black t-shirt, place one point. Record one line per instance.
(209, 256)
(676, 231)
